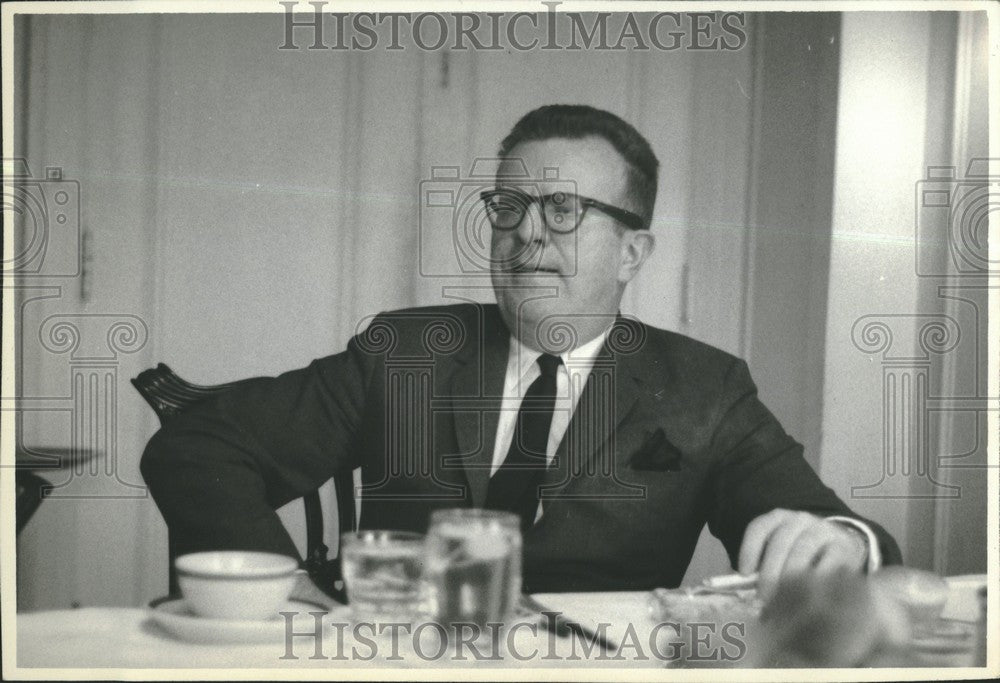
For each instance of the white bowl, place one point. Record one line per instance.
(236, 584)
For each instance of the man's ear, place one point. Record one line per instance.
(636, 246)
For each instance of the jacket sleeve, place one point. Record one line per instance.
(761, 468)
(219, 470)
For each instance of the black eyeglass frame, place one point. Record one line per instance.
(629, 219)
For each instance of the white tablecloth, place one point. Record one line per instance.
(127, 638)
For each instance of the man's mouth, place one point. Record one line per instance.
(525, 269)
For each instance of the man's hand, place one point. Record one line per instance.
(784, 543)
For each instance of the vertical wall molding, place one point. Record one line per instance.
(788, 216)
(958, 55)
(757, 45)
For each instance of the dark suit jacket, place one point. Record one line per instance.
(668, 435)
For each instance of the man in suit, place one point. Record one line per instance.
(614, 442)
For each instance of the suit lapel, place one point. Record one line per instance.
(608, 397)
(477, 393)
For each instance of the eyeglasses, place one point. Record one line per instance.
(561, 211)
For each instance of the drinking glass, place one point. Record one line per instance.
(472, 570)
(382, 570)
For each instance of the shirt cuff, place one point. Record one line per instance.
(874, 554)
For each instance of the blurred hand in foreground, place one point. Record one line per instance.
(836, 620)
(785, 544)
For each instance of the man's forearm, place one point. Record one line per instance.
(219, 470)
(210, 501)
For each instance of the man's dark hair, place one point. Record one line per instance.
(576, 121)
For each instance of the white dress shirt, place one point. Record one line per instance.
(522, 370)
(571, 377)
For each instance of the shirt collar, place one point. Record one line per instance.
(580, 359)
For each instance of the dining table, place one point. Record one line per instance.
(113, 639)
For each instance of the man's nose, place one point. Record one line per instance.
(532, 227)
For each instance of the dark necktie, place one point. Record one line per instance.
(514, 486)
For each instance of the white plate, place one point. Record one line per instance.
(175, 617)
